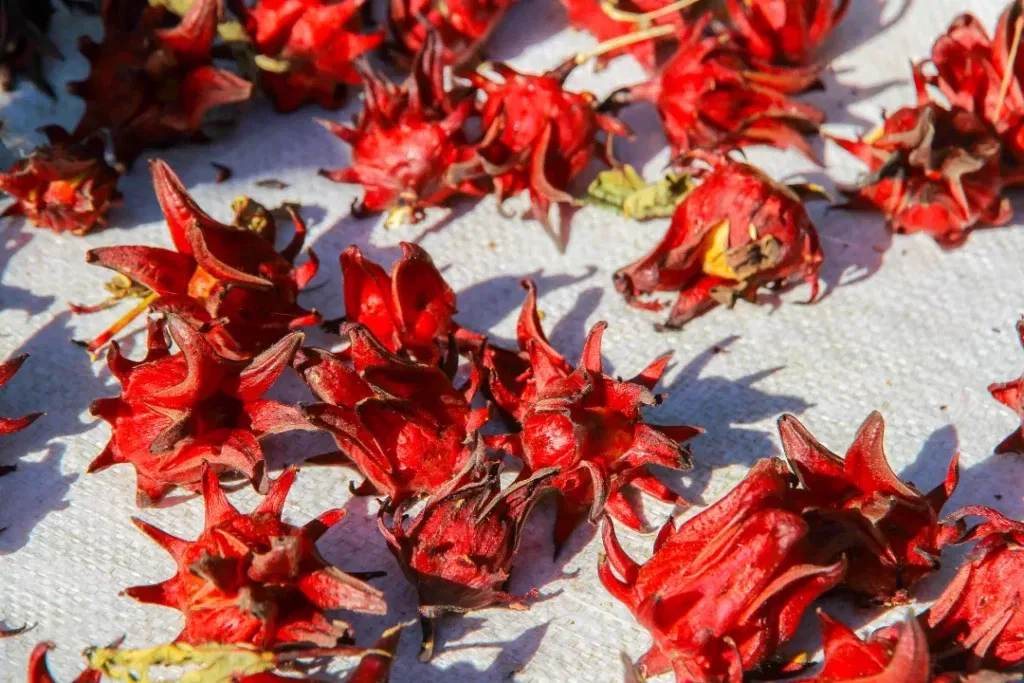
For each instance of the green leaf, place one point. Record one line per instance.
(623, 190)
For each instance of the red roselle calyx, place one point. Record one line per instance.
(710, 98)
(786, 33)
(1011, 395)
(932, 169)
(459, 549)
(888, 530)
(409, 151)
(726, 588)
(38, 672)
(152, 87)
(978, 621)
(227, 280)
(24, 43)
(400, 422)
(306, 49)
(893, 655)
(65, 185)
(178, 413)
(252, 578)
(461, 25)
(10, 425)
(589, 426)
(738, 231)
(539, 136)
(409, 311)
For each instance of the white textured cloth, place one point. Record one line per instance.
(905, 328)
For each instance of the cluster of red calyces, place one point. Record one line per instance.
(725, 589)
(306, 48)
(64, 186)
(734, 234)
(151, 86)
(254, 579)
(228, 281)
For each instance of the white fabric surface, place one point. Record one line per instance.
(905, 328)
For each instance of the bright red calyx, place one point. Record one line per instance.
(10, 425)
(1011, 395)
(256, 579)
(738, 231)
(892, 655)
(724, 590)
(539, 136)
(409, 151)
(624, 18)
(462, 25)
(888, 530)
(978, 621)
(151, 87)
(588, 425)
(401, 423)
(459, 548)
(785, 32)
(409, 310)
(933, 169)
(38, 672)
(65, 186)
(178, 413)
(710, 98)
(228, 281)
(307, 49)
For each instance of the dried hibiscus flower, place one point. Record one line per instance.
(933, 169)
(180, 412)
(461, 25)
(538, 136)
(590, 427)
(10, 425)
(892, 655)
(307, 49)
(227, 280)
(252, 578)
(65, 185)
(889, 531)
(459, 548)
(409, 151)
(409, 310)
(149, 86)
(978, 621)
(403, 424)
(725, 589)
(710, 98)
(24, 43)
(1011, 395)
(737, 231)
(788, 33)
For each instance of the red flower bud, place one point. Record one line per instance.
(178, 413)
(409, 151)
(308, 49)
(933, 170)
(978, 621)
(888, 530)
(724, 590)
(152, 87)
(709, 97)
(790, 32)
(64, 185)
(736, 232)
(409, 311)
(588, 425)
(462, 25)
(256, 579)
(401, 423)
(226, 280)
(459, 549)
(892, 655)
(1011, 395)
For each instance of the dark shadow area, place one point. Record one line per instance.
(54, 365)
(864, 21)
(17, 233)
(719, 404)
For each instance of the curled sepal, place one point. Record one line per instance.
(1011, 395)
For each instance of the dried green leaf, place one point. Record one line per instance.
(207, 663)
(623, 190)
